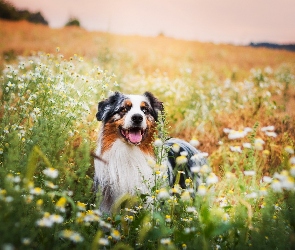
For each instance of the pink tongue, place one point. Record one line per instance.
(135, 136)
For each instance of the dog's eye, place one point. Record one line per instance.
(124, 109)
(144, 110)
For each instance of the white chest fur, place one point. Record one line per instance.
(126, 171)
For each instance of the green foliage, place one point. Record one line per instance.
(73, 22)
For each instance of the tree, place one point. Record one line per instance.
(8, 11)
(73, 22)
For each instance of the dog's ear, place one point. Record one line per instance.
(107, 107)
(155, 103)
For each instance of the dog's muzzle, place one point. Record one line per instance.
(135, 133)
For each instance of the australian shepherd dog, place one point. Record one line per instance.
(125, 147)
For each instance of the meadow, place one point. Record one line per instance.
(234, 103)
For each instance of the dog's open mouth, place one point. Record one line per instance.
(133, 135)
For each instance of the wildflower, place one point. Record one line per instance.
(226, 130)
(282, 176)
(197, 158)
(66, 233)
(103, 242)
(222, 201)
(116, 234)
(236, 149)
(50, 184)
(48, 220)
(104, 224)
(51, 172)
(195, 169)
(185, 196)
(265, 152)
(202, 190)
(249, 173)
(252, 195)
(263, 191)
(188, 181)
(277, 207)
(60, 204)
(129, 218)
(158, 143)
(292, 160)
(39, 202)
(271, 134)
(37, 110)
(26, 241)
(267, 179)
(1, 151)
(268, 128)
(211, 179)
(184, 246)
(288, 183)
(168, 218)
(247, 145)
(81, 206)
(233, 134)
(191, 209)
(37, 191)
(176, 189)
(72, 235)
(258, 144)
(9, 199)
(205, 169)
(194, 142)
(165, 241)
(289, 149)
(56, 218)
(71, 133)
(292, 171)
(163, 194)
(276, 186)
(225, 217)
(230, 175)
(175, 147)
(5, 130)
(152, 164)
(181, 160)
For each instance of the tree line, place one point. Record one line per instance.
(9, 12)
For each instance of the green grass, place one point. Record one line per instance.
(48, 130)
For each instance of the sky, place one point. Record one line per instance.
(218, 21)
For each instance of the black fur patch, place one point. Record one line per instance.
(191, 151)
(110, 106)
(156, 105)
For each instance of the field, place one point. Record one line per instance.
(235, 103)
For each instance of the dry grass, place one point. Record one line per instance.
(140, 53)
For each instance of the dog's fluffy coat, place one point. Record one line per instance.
(125, 145)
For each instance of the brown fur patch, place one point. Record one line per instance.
(147, 144)
(110, 134)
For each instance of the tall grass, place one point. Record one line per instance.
(48, 129)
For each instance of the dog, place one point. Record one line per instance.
(125, 147)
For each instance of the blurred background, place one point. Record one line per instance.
(228, 21)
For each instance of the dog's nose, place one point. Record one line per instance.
(137, 118)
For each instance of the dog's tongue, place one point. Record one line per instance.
(135, 136)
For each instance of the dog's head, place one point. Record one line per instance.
(130, 116)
